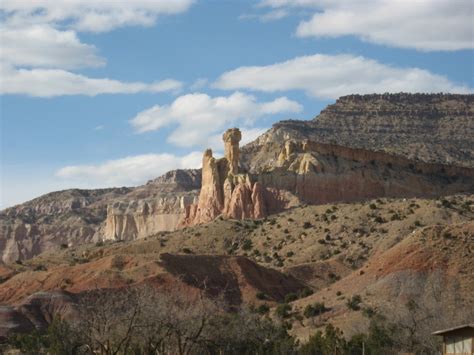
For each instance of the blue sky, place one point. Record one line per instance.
(116, 93)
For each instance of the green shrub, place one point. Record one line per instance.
(395, 217)
(315, 310)
(290, 297)
(247, 244)
(263, 309)
(354, 302)
(305, 292)
(283, 310)
(379, 219)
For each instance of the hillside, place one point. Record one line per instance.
(389, 251)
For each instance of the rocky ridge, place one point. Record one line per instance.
(432, 128)
(361, 147)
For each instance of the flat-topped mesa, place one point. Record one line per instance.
(225, 190)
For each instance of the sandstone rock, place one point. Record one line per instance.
(224, 189)
(130, 220)
(432, 128)
(258, 201)
(231, 139)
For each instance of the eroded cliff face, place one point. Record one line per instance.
(53, 221)
(73, 217)
(432, 128)
(322, 173)
(303, 171)
(138, 219)
(361, 147)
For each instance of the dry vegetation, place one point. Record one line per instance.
(384, 252)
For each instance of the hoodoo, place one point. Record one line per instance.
(225, 189)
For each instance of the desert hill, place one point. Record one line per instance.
(388, 251)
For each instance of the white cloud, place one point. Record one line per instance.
(331, 76)
(135, 170)
(199, 116)
(427, 25)
(91, 15)
(40, 44)
(44, 46)
(128, 171)
(57, 82)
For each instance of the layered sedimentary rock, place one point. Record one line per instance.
(321, 173)
(304, 171)
(73, 217)
(225, 190)
(53, 221)
(138, 219)
(432, 128)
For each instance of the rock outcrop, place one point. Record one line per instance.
(130, 220)
(73, 217)
(319, 173)
(225, 190)
(297, 171)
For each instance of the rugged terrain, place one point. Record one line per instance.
(432, 128)
(372, 199)
(72, 217)
(361, 147)
(388, 251)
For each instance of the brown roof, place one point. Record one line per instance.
(444, 331)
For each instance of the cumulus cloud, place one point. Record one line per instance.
(199, 116)
(331, 76)
(40, 44)
(128, 171)
(44, 46)
(427, 25)
(91, 15)
(58, 82)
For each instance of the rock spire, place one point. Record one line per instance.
(225, 189)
